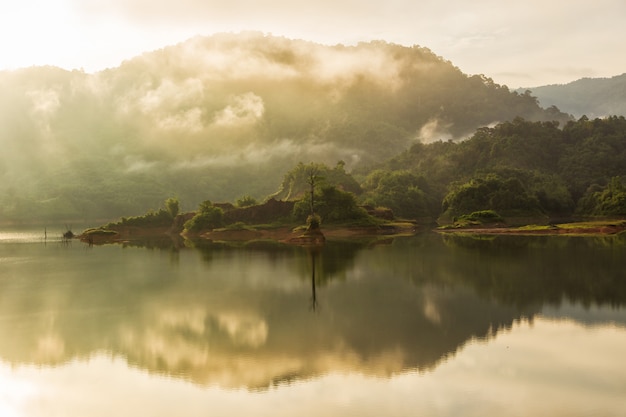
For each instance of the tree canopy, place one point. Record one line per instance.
(554, 170)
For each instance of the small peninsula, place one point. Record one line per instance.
(271, 220)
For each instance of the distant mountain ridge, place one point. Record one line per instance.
(222, 116)
(592, 97)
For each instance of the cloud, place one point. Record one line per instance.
(255, 154)
(246, 89)
(50, 349)
(171, 107)
(45, 102)
(249, 331)
(243, 109)
(170, 95)
(525, 36)
(135, 164)
(189, 121)
(433, 131)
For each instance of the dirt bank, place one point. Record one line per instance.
(286, 234)
(583, 228)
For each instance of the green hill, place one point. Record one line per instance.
(224, 116)
(517, 168)
(593, 97)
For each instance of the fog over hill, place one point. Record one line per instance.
(592, 97)
(222, 116)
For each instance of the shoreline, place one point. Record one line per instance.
(288, 234)
(591, 228)
(294, 235)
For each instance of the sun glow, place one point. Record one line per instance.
(514, 366)
(95, 35)
(15, 393)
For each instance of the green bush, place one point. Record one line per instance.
(208, 217)
(483, 216)
(172, 205)
(401, 191)
(246, 201)
(313, 222)
(331, 204)
(160, 218)
(604, 201)
(491, 192)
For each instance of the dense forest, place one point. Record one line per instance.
(215, 118)
(517, 168)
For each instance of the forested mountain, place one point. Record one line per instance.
(517, 168)
(591, 97)
(222, 116)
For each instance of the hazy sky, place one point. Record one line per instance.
(515, 42)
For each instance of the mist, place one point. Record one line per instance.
(223, 116)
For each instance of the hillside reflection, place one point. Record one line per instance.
(263, 315)
(538, 270)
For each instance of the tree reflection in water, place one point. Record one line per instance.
(313, 254)
(233, 316)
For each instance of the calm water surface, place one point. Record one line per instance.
(424, 326)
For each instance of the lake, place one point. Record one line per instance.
(429, 325)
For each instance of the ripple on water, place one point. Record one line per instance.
(27, 236)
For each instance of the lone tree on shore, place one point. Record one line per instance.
(313, 220)
(312, 179)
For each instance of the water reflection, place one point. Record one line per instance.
(539, 270)
(313, 254)
(242, 316)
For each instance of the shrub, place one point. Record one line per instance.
(172, 205)
(483, 216)
(490, 193)
(313, 222)
(208, 217)
(332, 205)
(246, 201)
(161, 218)
(401, 191)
